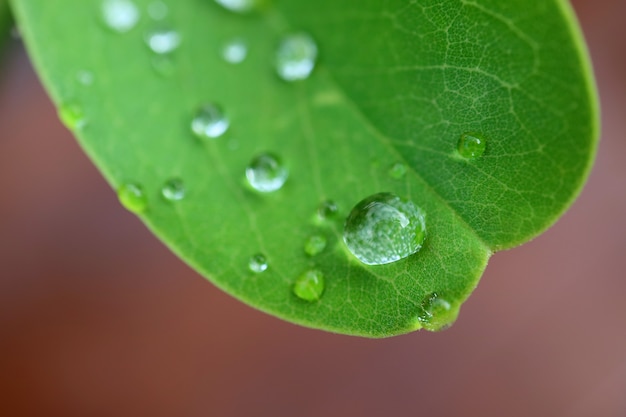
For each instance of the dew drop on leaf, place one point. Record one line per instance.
(436, 313)
(397, 171)
(162, 40)
(295, 57)
(384, 228)
(309, 286)
(237, 5)
(315, 245)
(266, 173)
(209, 122)
(235, 51)
(132, 197)
(471, 145)
(85, 77)
(326, 209)
(119, 15)
(163, 65)
(258, 263)
(72, 116)
(173, 190)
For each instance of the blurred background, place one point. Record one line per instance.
(97, 318)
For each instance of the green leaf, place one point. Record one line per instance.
(5, 20)
(396, 86)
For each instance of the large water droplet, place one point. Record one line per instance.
(296, 56)
(266, 173)
(235, 51)
(238, 6)
(471, 145)
(437, 313)
(326, 209)
(72, 116)
(309, 286)
(384, 228)
(398, 171)
(315, 245)
(173, 190)
(158, 10)
(209, 122)
(163, 40)
(132, 197)
(119, 15)
(258, 263)
(85, 77)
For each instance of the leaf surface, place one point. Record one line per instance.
(395, 82)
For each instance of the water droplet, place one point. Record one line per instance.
(258, 263)
(398, 171)
(132, 197)
(471, 145)
(72, 116)
(326, 209)
(158, 10)
(266, 173)
(295, 57)
(384, 228)
(309, 286)
(238, 6)
(235, 51)
(163, 65)
(84, 77)
(314, 245)
(120, 15)
(209, 122)
(437, 313)
(173, 190)
(163, 40)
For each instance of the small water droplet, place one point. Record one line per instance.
(309, 286)
(258, 263)
(471, 145)
(84, 77)
(296, 56)
(235, 51)
(72, 116)
(163, 65)
(238, 6)
(326, 209)
(132, 197)
(398, 171)
(158, 10)
(163, 40)
(266, 173)
(173, 190)
(384, 228)
(315, 245)
(209, 122)
(436, 313)
(120, 15)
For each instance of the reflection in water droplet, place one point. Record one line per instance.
(471, 145)
(157, 10)
(309, 286)
(258, 263)
(326, 209)
(266, 173)
(237, 5)
(315, 245)
(384, 228)
(235, 51)
(119, 15)
(173, 190)
(132, 197)
(436, 313)
(163, 40)
(84, 77)
(397, 171)
(209, 122)
(72, 116)
(295, 57)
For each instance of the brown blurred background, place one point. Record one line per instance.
(97, 318)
